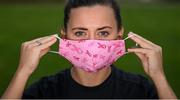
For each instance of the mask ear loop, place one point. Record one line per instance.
(55, 51)
(128, 38)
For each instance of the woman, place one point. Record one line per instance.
(92, 21)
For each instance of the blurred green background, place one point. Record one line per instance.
(156, 20)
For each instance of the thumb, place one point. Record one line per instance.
(144, 60)
(45, 51)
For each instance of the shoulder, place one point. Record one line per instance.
(134, 84)
(129, 77)
(48, 86)
(56, 78)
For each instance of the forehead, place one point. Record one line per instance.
(97, 15)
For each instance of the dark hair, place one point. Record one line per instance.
(81, 3)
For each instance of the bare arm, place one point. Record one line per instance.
(150, 55)
(16, 86)
(163, 88)
(31, 52)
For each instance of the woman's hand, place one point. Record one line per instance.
(150, 55)
(32, 51)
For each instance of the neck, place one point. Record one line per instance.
(90, 79)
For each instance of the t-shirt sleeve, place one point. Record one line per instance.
(35, 90)
(46, 87)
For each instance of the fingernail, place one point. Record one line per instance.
(129, 50)
(130, 32)
(55, 35)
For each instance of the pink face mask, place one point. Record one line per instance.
(91, 55)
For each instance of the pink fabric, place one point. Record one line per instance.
(91, 55)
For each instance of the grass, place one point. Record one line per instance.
(19, 23)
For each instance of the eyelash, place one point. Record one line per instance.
(104, 32)
(79, 33)
(101, 34)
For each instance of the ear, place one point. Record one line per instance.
(62, 33)
(120, 33)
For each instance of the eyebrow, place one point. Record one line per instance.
(104, 27)
(85, 29)
(80, 28)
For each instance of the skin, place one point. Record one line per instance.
(96, 22)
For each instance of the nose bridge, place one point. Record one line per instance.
(92, 35)
(92, 29)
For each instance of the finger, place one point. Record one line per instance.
(140, 37)
(47, 39)
(47, 44)
(141, 56)
(139, 50)
(42, 40)
(144, 61)
(140, 40)
(43, 52)
(32, 41)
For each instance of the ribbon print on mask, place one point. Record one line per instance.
(91, 55)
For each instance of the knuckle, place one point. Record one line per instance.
(24, 44)
(29, 46)
(154, 51)
(35, 49)
(158, 49)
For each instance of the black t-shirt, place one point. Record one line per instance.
(118, 85)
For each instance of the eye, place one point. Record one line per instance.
(80, 33)
(103, 33)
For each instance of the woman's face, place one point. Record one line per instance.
(95, 22)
